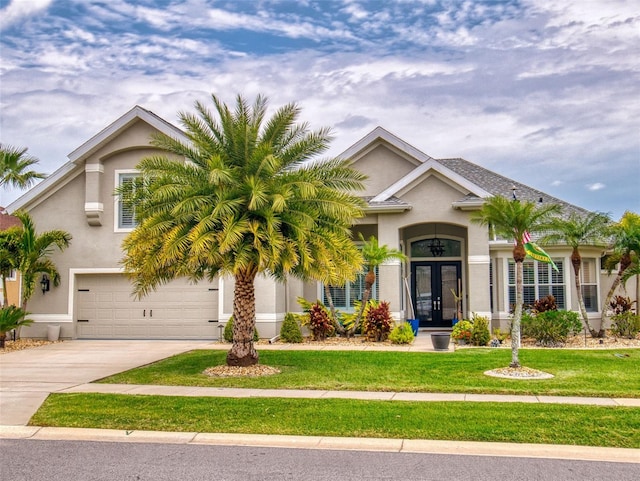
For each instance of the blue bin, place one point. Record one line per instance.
(415, 323)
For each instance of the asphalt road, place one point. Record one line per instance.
(32, 460)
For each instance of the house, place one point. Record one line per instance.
(416, 203)
(12, 281)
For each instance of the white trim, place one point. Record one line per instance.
(99, 168)
(415, 174)
(119, 125)
(381, 134)
(93, 207)
(48, 318)
(480, 259)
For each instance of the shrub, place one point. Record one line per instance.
(290, 330)
(320, 322)
(545, 304)
(551, 328)
(626, 324)
(621, 304)
(500, 335)
(378, 321)
(402, 334)
(462, 330)
(480, 335)
(228, 331)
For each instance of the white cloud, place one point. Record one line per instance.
(19, 9)
(596, 186)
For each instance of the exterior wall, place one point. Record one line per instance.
(13, 291)
(94, 248)
(384, 167)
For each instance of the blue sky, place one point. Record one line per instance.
(542, 91)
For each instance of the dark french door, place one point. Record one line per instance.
(433, 285)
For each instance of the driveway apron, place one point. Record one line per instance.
(27, 377)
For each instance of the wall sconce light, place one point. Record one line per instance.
(44, 283)
(513, 193)
(435, 245)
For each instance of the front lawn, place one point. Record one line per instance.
(595, 373)
(498, 422)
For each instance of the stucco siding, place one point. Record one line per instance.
(383, 167)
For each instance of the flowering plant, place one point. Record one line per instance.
(462, 330)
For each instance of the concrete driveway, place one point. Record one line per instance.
(27, 377)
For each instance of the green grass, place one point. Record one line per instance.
(595, 373)
(498, 422)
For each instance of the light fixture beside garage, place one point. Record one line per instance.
(44, 283)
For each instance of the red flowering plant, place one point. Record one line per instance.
(378, 322)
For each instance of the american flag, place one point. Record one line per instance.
(526, 237)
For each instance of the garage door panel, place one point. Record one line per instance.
(178, 310)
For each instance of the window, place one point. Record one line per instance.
(539, 281)
(345, 297)
(589, 284)
(125, 210)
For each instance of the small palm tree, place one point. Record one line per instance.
(575, 231)
(11, 317)
(34, 252)
(251, 200)
(14, 163)
(374, 256)
(626, 252)
(512, 219)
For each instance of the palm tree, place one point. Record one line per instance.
(11, 317)
(512, 219)
(14, 163)
(34, 252)
(374, 256)
(250, 200)
(578, 230)
(626, 253)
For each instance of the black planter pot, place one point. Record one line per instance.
(440, 340)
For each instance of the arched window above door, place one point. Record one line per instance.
(436, 247)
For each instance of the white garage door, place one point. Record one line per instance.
(105, 309)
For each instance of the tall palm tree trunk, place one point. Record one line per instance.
(517, 315)
(369, 280)
(243, 352)
(576, 261)
(332, 308)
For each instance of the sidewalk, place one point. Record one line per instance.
(28, 377)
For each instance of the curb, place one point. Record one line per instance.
(415, 446)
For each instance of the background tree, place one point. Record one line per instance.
(34, 254)
(510, 219)
(250, 200)
(14, 165)
(575, 231)
(374, 256)
(625, 243)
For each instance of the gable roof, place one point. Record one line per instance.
(478, 181)
(79, 155)
(121, 124)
